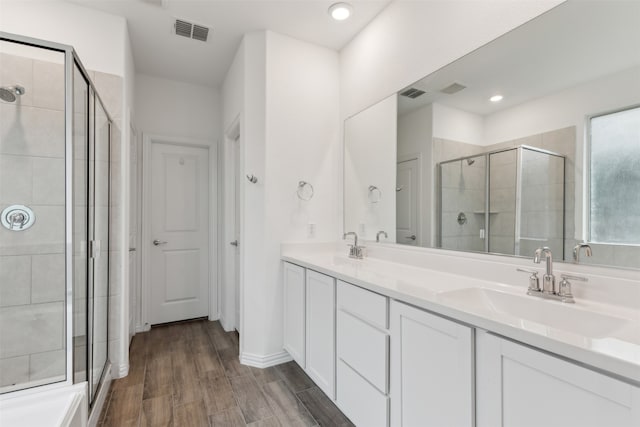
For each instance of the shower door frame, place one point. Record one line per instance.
(71, 59)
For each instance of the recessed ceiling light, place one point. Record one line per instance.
(496, 98)
(340, 11)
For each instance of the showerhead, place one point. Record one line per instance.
(10, 93)
(470, 162)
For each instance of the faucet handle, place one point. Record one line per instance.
(534, 281)
(565, 286)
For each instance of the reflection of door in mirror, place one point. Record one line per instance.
(408, 202)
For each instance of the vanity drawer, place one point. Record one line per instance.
(362, 303)
(364, 348)
(359, 400)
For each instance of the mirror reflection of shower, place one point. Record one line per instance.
(11, 93)
(504, 201)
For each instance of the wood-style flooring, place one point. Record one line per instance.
(188, 374)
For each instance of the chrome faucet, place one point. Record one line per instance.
(549, 291)
(576, 251)
(378, 235)
(548, 280)
(355, 251)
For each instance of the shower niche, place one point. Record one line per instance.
(55, 138)
(507, 202)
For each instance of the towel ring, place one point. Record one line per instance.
(374, 194)
(305, 191)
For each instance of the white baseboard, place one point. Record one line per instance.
(143, 328)
(260, 361)
(101, 398)
(119, 371)
(228, 327)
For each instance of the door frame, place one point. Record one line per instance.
(232, 135)
(211, 146)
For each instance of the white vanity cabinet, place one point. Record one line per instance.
(294, 311)
(362, 355)
(320, 330)
(518, 386)
(432, 379)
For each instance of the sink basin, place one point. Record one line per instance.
(532, 313)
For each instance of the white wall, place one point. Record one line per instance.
(285, 92)
(102, 43)
(97, 37)
(457, 125)
(411, 39)
(172, 108)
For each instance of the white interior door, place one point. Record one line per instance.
(407, 203)
(179, 246)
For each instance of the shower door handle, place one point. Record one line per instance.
(159, 242)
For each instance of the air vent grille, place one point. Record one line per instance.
(192, 31)
(453, 88)
(200, 33)
(412, 93)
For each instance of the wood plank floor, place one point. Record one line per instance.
(188, 374)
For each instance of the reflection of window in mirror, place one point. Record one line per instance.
(615, 177)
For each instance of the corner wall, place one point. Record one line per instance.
(286, 94)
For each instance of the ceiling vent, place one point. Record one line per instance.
(412, 93)
(453, 88)
(192, 31)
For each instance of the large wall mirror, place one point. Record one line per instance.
(532, 140)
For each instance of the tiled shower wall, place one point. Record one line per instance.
(32, 173)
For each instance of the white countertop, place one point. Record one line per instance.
(603, 336)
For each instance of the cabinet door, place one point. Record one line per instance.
(320, 326)
(431, 369)
(518, 387)
(294, 311)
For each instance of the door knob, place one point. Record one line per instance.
(159, 242)
(412, 237)
(234, 243)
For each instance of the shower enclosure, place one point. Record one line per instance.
(508, 202)
(54, 200)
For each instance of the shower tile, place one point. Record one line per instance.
(15, 280)
(531, 140)
(48, 276)
(560, 141)
(46, 365)
(45, 236)
(16, 177)
(48, 181)
(48, 85)
(31, 329)
(17, 70)
(31, 131)
(109, 86)
(14, 370)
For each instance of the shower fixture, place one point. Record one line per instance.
(470, 162)
(8, 93)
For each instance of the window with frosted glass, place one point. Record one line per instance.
(615, 177)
